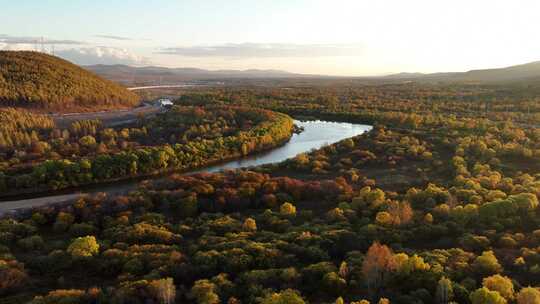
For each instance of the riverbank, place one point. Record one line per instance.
(316, 134)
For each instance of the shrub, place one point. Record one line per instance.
(31, 243)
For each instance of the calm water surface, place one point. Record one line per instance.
(316, 134)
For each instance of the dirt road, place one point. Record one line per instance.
(109, 118)
(13, 206)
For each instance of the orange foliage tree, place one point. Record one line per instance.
(378, 264)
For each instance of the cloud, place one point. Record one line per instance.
(112, 37)
(18, 47)
(28, 40)
(102, 55)
(259, 50)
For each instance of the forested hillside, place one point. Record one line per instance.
(40, 81)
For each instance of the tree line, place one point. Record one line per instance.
(181, 139)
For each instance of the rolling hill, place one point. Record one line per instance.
(44, 82)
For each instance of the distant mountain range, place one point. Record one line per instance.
(516, 73)
(161, 75)
(129, 75)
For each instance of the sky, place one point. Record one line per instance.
(331, 37)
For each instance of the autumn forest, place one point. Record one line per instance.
(438, 203)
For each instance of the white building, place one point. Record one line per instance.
(163, 102)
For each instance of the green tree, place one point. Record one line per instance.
(63, 221)
(444, 291)
(334, 283)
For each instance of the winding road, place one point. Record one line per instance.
(167, 86)
(108, 118)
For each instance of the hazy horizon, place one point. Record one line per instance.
(342, 38)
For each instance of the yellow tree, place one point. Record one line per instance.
(204, 292)
(249, 225)
(287, 209)
(487, 263)
(486, 296)
(528, 295)
(288, 296)
(502, 284)
(83, 247)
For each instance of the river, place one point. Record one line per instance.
(315, 135)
